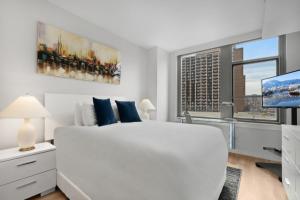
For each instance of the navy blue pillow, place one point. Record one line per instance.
(127, 111)
(104, 112)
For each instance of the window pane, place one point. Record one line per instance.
(247, 90)
(255, 49)
(200, 84)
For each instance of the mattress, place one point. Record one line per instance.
(144, 160)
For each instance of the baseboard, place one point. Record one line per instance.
(259, 159)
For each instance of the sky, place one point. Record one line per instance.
(257, 71)
(259, 48)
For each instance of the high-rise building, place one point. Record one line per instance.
(200, 81)
(239, 81)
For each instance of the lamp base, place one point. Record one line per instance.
(27, 149)
(26, 136)
(145, 115)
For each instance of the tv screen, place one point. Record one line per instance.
(281, 91)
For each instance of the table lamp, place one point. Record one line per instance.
(26, 107)
(145, 107)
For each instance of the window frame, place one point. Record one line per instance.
(280, 68)
(255, 61)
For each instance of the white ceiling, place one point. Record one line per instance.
(170, 24)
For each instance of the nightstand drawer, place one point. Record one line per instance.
(288, 144)
(297, 152)
(28, 187)
(23, 167)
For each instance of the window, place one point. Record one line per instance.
(208, 80)
(256, 49)
(199, 84)
(252, 62)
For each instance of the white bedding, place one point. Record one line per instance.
(144, 161)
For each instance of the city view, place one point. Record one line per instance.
(247, 78)
(200, 84)
(200, 81)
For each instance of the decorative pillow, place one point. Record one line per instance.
(78, 115)
(88, 114)
(127, 111)
(104, 112)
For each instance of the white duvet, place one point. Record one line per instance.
(144, 161)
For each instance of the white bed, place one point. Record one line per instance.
(141, 161)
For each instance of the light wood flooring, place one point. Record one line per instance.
(256, 183)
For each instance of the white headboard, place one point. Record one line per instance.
(62, 107)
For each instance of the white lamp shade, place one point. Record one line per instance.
(146, 105)
(25, 107)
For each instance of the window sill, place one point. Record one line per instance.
(239, 123)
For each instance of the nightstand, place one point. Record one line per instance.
(25, 174)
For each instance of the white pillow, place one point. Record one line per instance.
(78, 115)
(115, 109)
(88, 114)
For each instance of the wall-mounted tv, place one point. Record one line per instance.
(281, 91)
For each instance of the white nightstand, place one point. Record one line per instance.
(25, 174)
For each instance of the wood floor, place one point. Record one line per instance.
(256, 183)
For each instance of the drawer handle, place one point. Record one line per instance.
(286, 137)
(26, 163)
(25, 185)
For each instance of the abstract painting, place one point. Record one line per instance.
(64, 54)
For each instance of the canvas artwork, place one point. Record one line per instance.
(64, 54)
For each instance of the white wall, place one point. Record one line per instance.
(157, 84)
(252, 137)
(152, 79)
(162, 84)
(18, 20)
(281, 17)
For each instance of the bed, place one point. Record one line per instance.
(140, 161)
